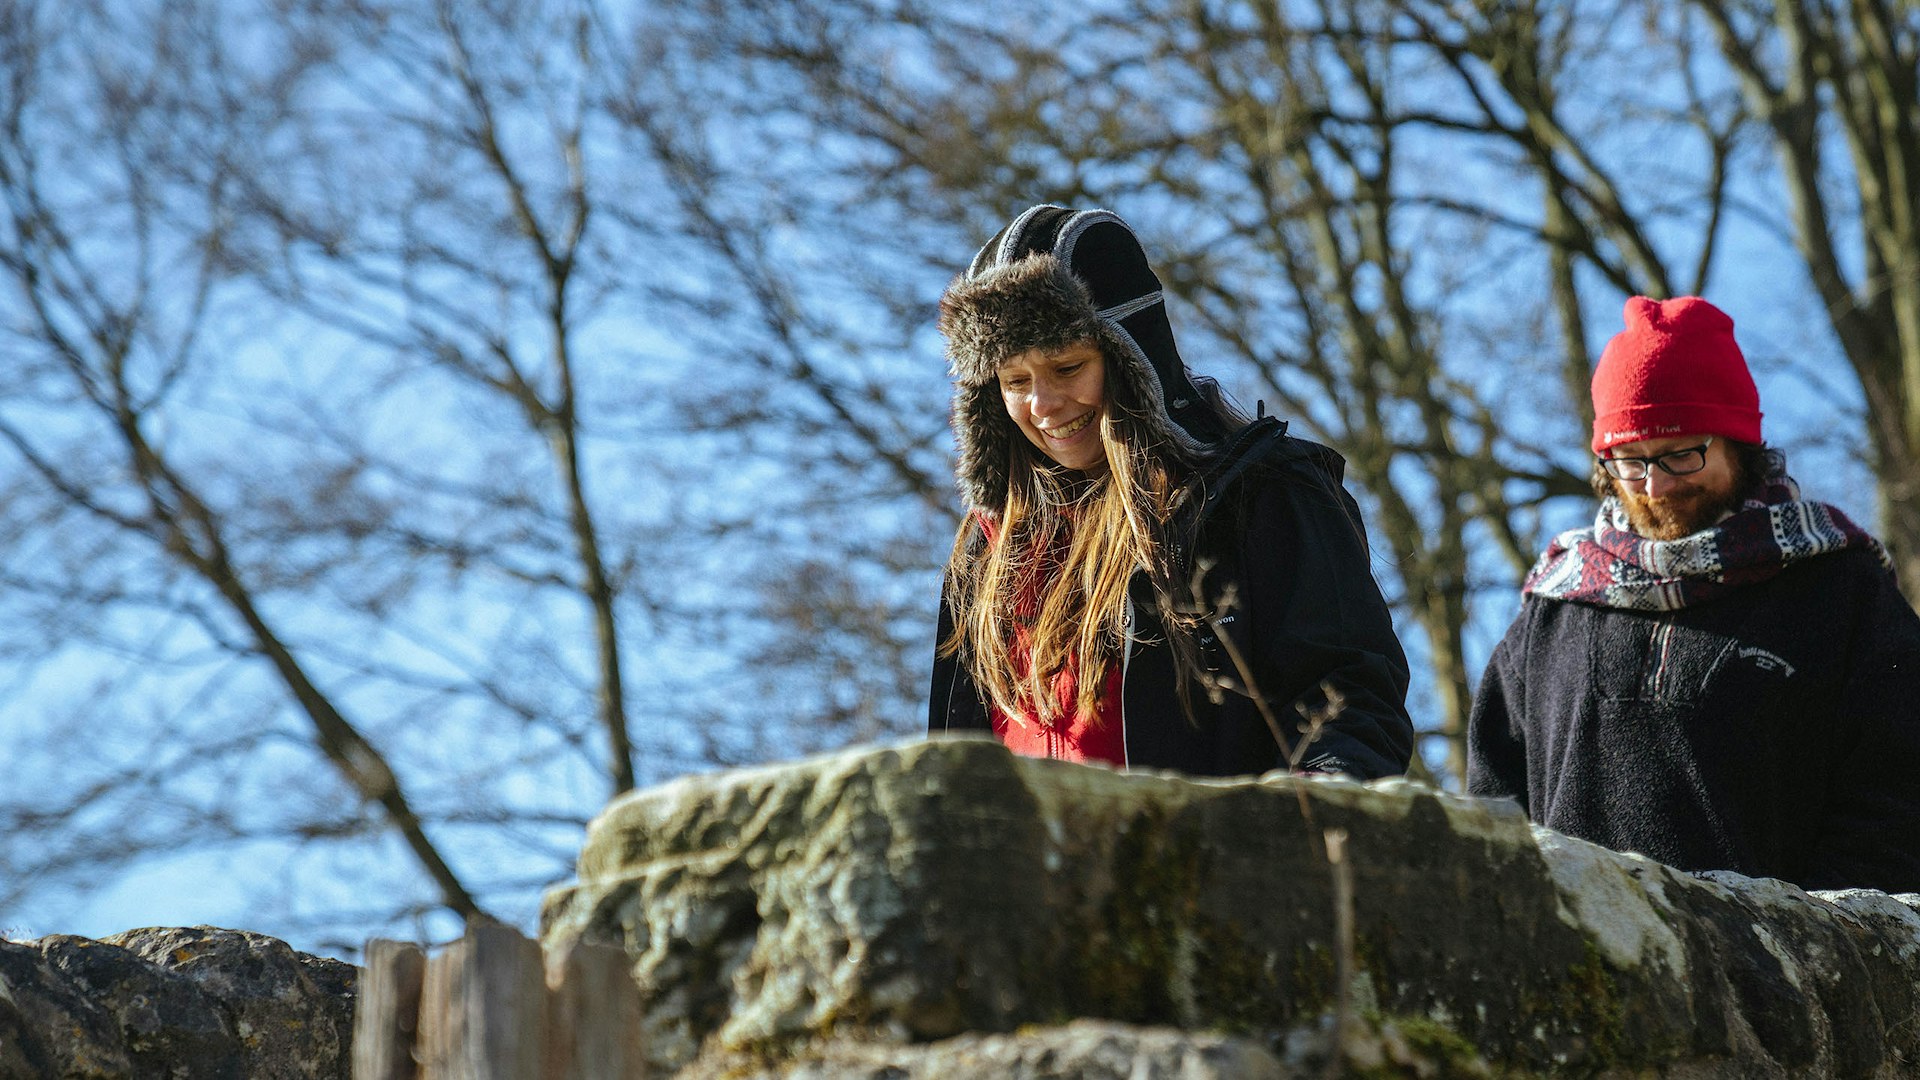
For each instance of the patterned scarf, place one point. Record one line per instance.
(1609, 565)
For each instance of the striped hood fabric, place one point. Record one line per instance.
(1051, 278)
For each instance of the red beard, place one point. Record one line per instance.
(1680, 513)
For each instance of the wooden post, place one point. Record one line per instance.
(506, 1004)
(486, 1007)
(594, 1015)
(387, 1013)
(443, 1027)
(491, 1005)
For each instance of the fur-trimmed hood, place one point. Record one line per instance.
(1052, 278)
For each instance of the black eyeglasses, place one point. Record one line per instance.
(1673, 463)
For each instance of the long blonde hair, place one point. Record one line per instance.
(1114, 524)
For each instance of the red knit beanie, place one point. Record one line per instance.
(1675, 370)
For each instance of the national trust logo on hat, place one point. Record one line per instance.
(1627, 435)
(1674, 370)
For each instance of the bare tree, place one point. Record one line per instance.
(468, 245)
(115, 263)
(1836, 88)
(812, 304)
(1527, 89)
(494, 404)
(1828, 89)
(595, 193)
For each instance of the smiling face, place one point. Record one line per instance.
(1664, 507)
(1057, 400)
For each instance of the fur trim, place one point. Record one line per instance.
(983, 437)
(1034, 303)
(1029, 289)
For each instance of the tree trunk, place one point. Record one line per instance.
(1443, 618)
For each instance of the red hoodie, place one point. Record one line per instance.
(1100, 737)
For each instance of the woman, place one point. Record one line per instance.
(1143, 577)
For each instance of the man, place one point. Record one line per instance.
(1716, 673)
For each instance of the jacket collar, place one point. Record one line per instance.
(1201, 495)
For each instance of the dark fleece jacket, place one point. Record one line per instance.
(1271, 518)
(1774, 731)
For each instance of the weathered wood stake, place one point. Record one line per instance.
(491, 1007)
(384, 1034)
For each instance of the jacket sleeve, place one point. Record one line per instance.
(953, 704)
(945, 670)
(1322, 624)
(1869, 833)
(1496, 751)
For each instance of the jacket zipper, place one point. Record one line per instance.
(1663, 645)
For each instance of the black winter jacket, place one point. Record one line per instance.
(1774, 731)
(1271, 515)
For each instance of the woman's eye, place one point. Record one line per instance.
(1069, 371)
(1013, 384)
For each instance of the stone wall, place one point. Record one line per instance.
(184, 1004)
(946, 909)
